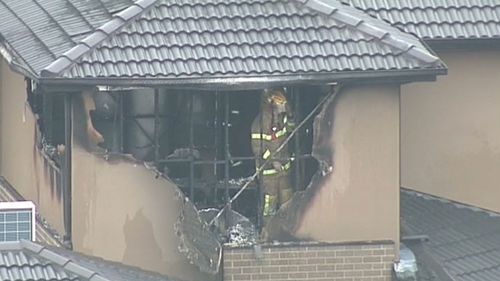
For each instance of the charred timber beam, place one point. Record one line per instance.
(216, 141)
(231, 159)
(297, 139)
(226, 148)
(191, 145)
(68, 109)
(122, 122)
(156, 126)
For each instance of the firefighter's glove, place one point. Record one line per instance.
(277, 166)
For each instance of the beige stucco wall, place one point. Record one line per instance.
(360, 199)
(450, 137)
(20, 161)
(123, 211)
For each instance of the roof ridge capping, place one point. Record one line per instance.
(341, 13)
(62, 261)
(95, 38)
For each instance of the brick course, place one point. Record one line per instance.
(311, 261)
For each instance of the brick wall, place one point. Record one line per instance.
(312, 261)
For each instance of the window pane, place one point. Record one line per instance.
(11, 226)
(24, 226)
(11, 236)
(24, 216)
(24, 235)
(11, 216)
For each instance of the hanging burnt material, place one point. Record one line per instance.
(233, 228)
(198, 243)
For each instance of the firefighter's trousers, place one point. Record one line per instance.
(277, 191)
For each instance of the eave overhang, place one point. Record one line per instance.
(248, 82)
(464, 44)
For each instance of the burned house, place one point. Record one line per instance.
(130, 126)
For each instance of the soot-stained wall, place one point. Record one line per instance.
(21, 161)
(358, 199)
(122, 211)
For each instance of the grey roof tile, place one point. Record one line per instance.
(131, 12)
(17, 264)
(179, 39)
(111, 26)
(75, 52)
(24, 261)
(465, 241)
(436, 20)
(320, 5)
(94, 39)
(53, 257)
(204, 38)
(40, 31)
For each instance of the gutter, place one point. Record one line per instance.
(464, 44)
(249, 81)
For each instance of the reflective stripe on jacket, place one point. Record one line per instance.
(270, 172)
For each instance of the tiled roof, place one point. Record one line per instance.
(438, 19)
(235, 38)
(31, 261)
(44, 233)
(463, 240)
(40, 31)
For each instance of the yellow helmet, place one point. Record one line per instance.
(276, 96)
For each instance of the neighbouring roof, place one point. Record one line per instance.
(215, 39)
(438, 19)
(463, 241)
(26, 260)
(44, 233)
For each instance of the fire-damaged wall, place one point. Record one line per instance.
(21, 161)
(122, 210)
(358, 199)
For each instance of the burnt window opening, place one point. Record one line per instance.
(50, 115)
(49, 112)
(201, 139)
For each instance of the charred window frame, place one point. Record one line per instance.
(201, 139)
(50, 115)
(53, 127)
(49, 110)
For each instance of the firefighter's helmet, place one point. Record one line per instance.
(275, 96)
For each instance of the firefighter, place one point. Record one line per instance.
(269, 130)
